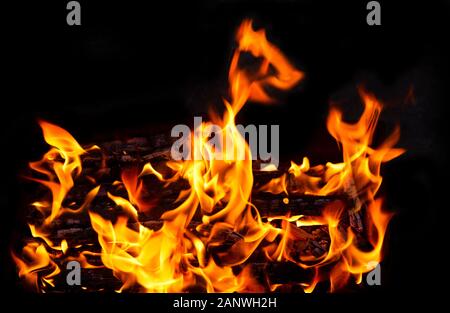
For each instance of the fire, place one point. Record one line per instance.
(182, 255)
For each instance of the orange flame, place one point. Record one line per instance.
(135, 189)
(59, 165)
(358, 176)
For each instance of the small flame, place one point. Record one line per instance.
(135, 189)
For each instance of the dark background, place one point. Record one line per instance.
(136, 68)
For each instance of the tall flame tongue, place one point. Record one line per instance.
(182, 255)
(174, 258)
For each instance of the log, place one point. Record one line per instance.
(103, 279)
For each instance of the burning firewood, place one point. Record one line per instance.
(139, 219)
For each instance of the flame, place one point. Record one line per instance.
(251, 86)
(361, 164)
(358, 176)
(185, 255)
(135, 189)
(166, 260)
(59, 166)
(33, 260)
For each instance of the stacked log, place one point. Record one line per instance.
(106, 165)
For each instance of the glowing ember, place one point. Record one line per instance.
(181, 256)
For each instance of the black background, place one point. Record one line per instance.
(135, 68)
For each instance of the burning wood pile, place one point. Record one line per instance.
(139, 220)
